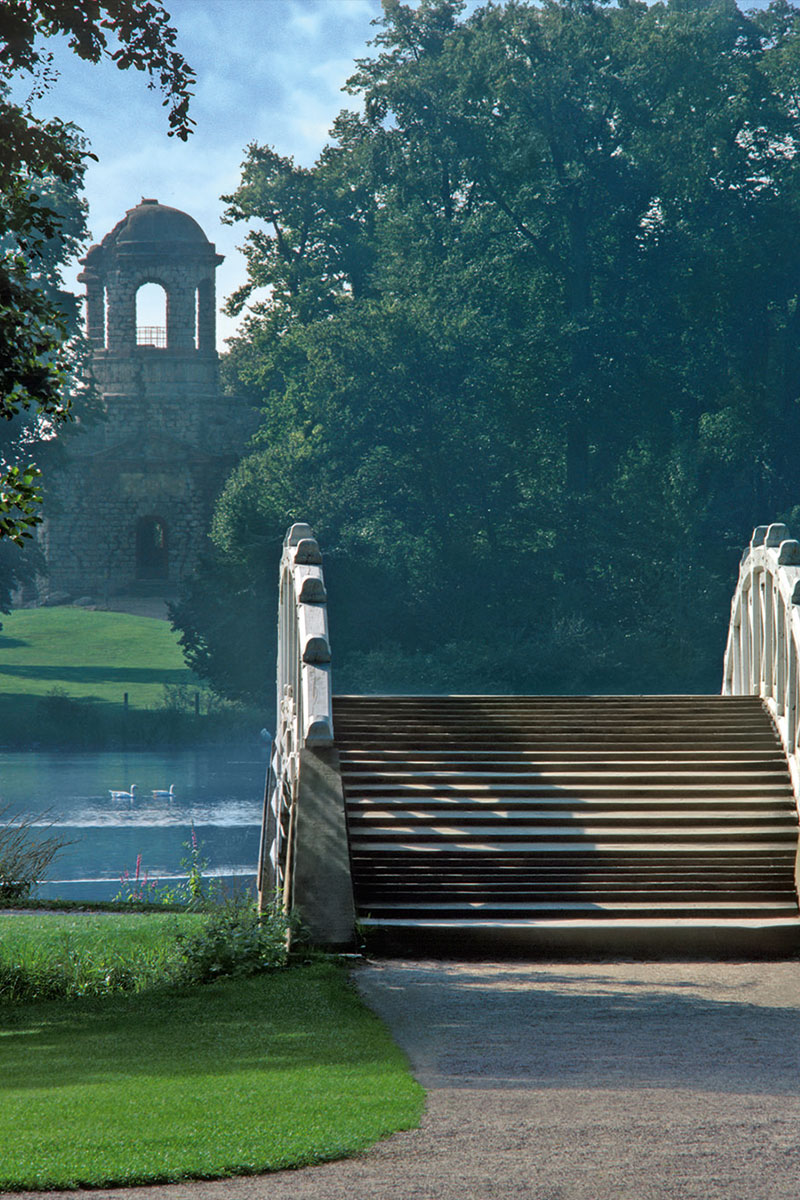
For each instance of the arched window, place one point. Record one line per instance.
(152, 551)
(151, 315)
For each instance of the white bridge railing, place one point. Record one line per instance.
(764, 635)
(304, 705)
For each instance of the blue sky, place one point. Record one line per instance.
(268, 71)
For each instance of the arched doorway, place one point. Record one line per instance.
(152, 552)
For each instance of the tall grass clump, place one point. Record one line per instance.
(26, 854)
(61, 956)
(58, 956)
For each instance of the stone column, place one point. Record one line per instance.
(181, 316)
(95, 309)
(121, 295)
(207, 316)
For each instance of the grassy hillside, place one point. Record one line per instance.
(64, 673)
(90, 655)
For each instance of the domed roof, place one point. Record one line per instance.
(152, 222)
(147, 234)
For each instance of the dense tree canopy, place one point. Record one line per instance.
(42, 221)
(529, 355)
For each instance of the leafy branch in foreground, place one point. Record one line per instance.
(42, 163)
(18, 503)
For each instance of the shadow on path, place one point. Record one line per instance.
(652, 1026)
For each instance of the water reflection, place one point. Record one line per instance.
(218, 791)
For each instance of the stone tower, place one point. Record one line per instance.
(130, 510)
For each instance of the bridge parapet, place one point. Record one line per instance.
(303, 861)
(761, 658)
(304, 651)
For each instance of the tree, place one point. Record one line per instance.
(28, 432)
(531, 361)
(41, 168)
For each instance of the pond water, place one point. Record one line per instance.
(219, 792)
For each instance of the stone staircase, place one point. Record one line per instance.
(471, 810)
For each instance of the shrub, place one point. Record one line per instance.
(235, 941)
(25, 855)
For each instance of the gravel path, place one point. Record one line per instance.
(574, 1081)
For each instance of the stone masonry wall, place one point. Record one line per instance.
(168, 441)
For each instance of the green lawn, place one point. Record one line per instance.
(98, 655)
(280, 1070)
(64, 673)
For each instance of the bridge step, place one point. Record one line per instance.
(518, 809)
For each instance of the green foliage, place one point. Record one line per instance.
(131, 34)
(235, 941)
(54, 722)
(188, 697)
(224, 629)
(40, 350)
(42, 219)
(20, 498)
(195, 892)
(58, 956)
(62, 956)
(531, 360)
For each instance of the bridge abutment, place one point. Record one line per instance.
(322, 892)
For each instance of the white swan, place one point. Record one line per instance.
(162, 794)
(131, 795)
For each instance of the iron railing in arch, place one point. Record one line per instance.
(304, 710)
(152, 335)
(764, 636)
